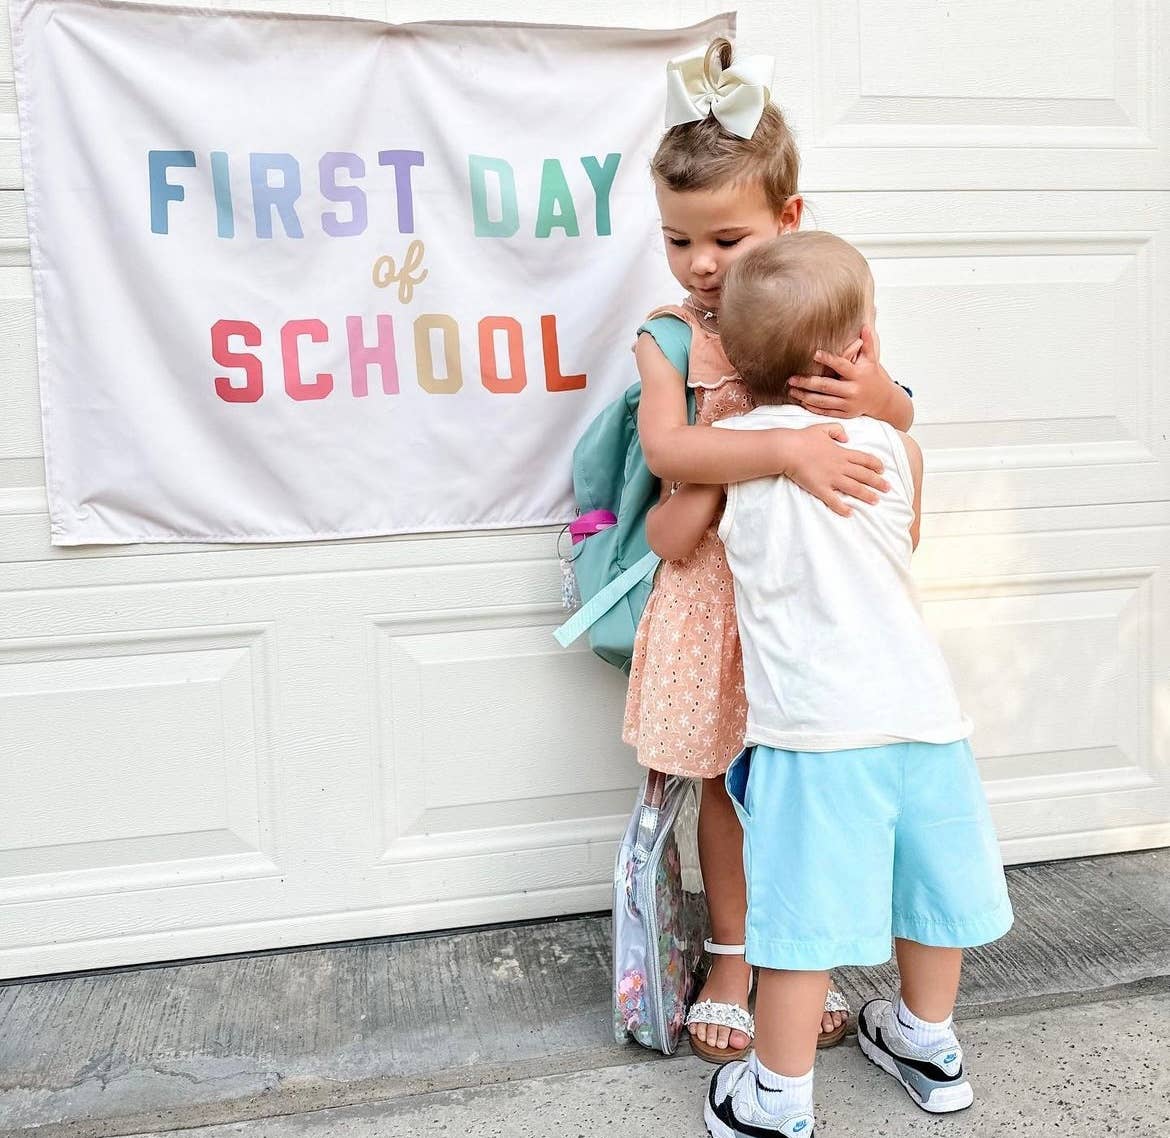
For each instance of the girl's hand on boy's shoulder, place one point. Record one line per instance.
(860, 387)
(817, 462)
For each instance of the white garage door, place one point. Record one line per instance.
(207, 749)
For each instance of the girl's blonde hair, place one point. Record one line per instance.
(704, 156)
(784, 299)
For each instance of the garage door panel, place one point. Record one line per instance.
(979, 405)
(480, 741)
(1049, 671)
(1059, 656)
(1082, 825)
(1030, 347)
(130, 927)
(990, 305)
(913, 93)
(135, 751)
(989, 74)
(1050, 668)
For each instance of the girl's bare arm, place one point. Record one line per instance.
(676, 525)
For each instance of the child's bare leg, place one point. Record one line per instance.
(789, 1006)
(929, 978)
(721, 860)
(771, 1092)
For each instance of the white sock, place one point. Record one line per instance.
(780, 1095)
(921, 1032)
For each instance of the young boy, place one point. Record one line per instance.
(862, 809)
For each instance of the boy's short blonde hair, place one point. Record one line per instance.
(784, 299)
(704, 156)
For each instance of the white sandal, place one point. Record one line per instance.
(739, 1019)
(834, 1002)
(722, 1015)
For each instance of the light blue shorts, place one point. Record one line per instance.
(845, 849)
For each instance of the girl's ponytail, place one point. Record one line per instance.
(717, 59)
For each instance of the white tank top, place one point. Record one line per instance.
(835, 652)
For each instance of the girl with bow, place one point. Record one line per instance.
(725, 176)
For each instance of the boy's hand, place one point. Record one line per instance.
(861, 387)
(817, 463)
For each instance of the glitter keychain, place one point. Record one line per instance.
(570, 592)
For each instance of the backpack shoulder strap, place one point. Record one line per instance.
(707, 365)
(683, 314)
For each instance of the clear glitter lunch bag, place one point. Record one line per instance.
(659, 914)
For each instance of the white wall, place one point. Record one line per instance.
(207, 749)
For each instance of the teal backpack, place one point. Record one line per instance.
(612, 562)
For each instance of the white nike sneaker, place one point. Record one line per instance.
(933, 1076)
(733, 1111)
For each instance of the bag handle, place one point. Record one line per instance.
(653, 795)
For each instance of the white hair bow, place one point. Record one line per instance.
(736, 97)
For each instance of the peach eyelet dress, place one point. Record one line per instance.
(686, 711)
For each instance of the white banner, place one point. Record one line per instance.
(316, 277)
